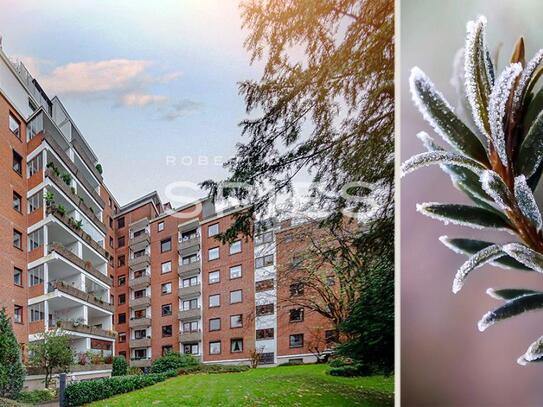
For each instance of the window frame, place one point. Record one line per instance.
(163, 242)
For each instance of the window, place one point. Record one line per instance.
(139, 314)
(139, 293)
(140, 354)
(110, 241)
(17, 239)
(18, 314)
(296, 289)
(166, 267)
(17, 276)
(121, 260)
(120, 222)
(190, 304)
(35, 165)
(122, 299)
(236, 321)
(166, 310)
(36, 312)
(17, 163)
(296, 340)
(166, 331)
(213, 230)
(167, 349)
(112, 301)
(121, 318)
(266, 309)
(190, 259)
(235, 272)
(140, 333)
(214, 300)
(191, 326)
(35, 276)
(166, 288)
(266, 333)
(264, 261)
(121, 280)
(120, 241)
(139, 253)
(17, 202)
(191, 348)
(213, 254)
(236, 345)
(160, 226)
(110, 203)
(215, 348)
(15, 126)
(189, 282)
(235, 247)
(191, 234)
(110, 222)
(214, 277)
(235, 296)
(264, 285)
(35, 239)
(264, 238)
(35, 202)
(166, 245)
(296, 315)
(215, 324)
(122, 337)
(331, 336)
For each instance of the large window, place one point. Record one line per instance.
(35, 165)
(266, 333)
(140, 333)
(235, 296)
(15, 126)
(191, 348)
(17, 163)
(35, 202)
(264, 285)
(236, 345)
(296, 340)
(17, 239)
(265, 309)
(215, 348)
(166, 245)
(215, 324)
(17, 204)
(214, 277)
(36, 312)
(236, 321)
(35, 276)
(266, 237)
(191, 326)
(235, 272)
(214, 300)
(140, 354)
(235, 247)
(35, 239)
(190, 304)
(213, 254)
(264, 261)
(189, 282)
(213, 230)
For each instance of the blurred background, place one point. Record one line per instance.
(445, 359)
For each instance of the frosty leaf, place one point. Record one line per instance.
(525, 80)
(464, 215)
(511, 308)
(497, 107)
(469, 247)
(477, 73)
(477, 260)
(439, 114)
(533, 354)
(440, 157)
(494, 186)
(531, 149)
(428, 142)
(526, 202)
(510, 293)
(525, 255)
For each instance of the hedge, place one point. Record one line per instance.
(120, 366)
(212, 369)
(172, 361)
(80, 393)
(351, 371)
(37, 396)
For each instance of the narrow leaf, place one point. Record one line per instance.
(494, 186)
(440, 157)
(531, 150)
(526, 202)
(439, 114)
(533, 354)
(510, 309)
(525, 255)
(525, 79)
(464, 215)
(510, 293)
(479, 259)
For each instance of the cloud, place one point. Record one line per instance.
(140, 99)
(182, 108)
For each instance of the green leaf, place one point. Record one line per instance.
(440, 157)
(469, 247)
(525, 255)
(464, 215)
(530, 153)
(510, 309)
(438, 113)
(510, 293)
(479, 259)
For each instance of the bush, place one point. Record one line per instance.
(37, 396)
(292, 363)
(120, 366)
(339, 362)
(80, 393)
(10, 403)
(173, 361)
(12, 371)
(351, 371)
(212, 369)
(134, 371)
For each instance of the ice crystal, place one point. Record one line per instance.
(494, 186)
(525, 255)
(440, 157)
(525, 79)
(479, 259)
(526, 201)
(534, 352)
(428, 142)
(496, 107)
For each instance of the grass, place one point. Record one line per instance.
(292, 386)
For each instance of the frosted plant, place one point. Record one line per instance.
(496, 159)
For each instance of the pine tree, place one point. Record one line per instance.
(12, 371)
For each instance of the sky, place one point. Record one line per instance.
(152, 85)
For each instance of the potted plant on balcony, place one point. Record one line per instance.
(49, 199)
(67, 178)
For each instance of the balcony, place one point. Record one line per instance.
(186, 270)
(139, 242)
(139, 224)
(139, 322)
(142, 302)
(190, 336)
(92, 167)
(189, 246)
(82, 295)
(140, 343)
(140, 262)
(140, 362)
(140, 282)
(193, 290)
(190, 313)
(82, 328)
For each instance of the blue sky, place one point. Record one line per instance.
(143, 80)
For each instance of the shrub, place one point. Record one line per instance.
(292, 363)
(201, 368)
(339, 362)
(12, 371)
(80, 393)
(173, 361)
(134, 371)
(351, 370)
(37, 396)
(120, 366)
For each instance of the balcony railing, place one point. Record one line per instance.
(190, 291)
(76, 199)
(86, 160)
(190, 313)
(141, 302)
(140, 362)
(189, 246)
(189, 268)
(190, 336)
(140, 282)
(140, 343)
(85, 265)
(141, 240)
(139, 262)
(139, 322)
(82, 295)
(81, 328)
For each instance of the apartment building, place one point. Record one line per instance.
(137, 280)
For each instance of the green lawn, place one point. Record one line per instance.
(291, 386)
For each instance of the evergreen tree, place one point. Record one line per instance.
(12, 371)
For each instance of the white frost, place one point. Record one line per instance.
(494, 186)
(479, 259)
(525, 79)
(526, 202)
(487, 320)
(439, 157)
(423, 209)
(534, 352)
(428, 142)
(525, 255)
